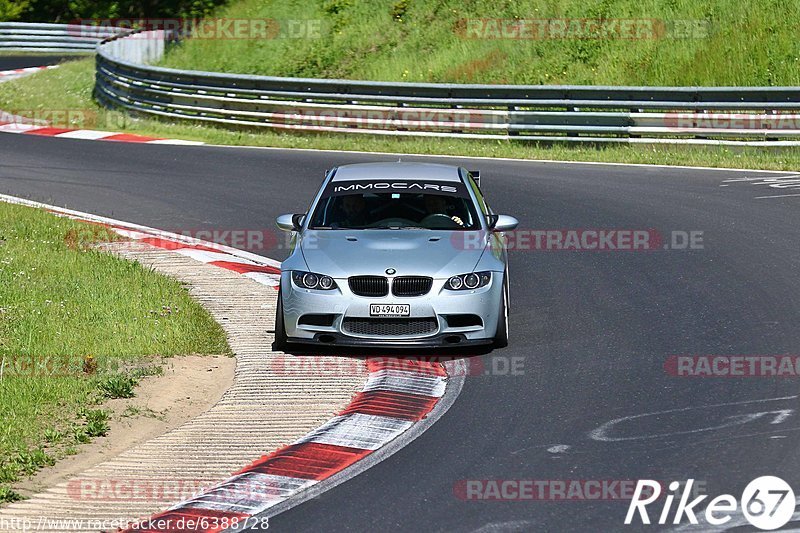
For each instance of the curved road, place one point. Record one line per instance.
(14, 62)
(591, 331)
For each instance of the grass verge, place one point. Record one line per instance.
(68, 90)
(679, 42)
(77, 327)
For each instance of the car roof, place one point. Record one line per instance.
(397, 171)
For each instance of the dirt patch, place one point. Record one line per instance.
(188, 387)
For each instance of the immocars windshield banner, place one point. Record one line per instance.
(445, 188)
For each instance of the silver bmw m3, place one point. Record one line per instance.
(395, 255)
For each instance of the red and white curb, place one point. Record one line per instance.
(400, 399)
(6, 75)
(11, 123)
(91, 135)
(397, 395)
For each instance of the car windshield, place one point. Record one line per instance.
(395, 210)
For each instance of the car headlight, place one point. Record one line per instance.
(311, 280)
(467, 282)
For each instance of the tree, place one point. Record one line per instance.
(12, 9)
(61, 11)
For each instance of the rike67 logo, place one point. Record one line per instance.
(767, 503)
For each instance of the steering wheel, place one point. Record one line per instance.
(395, 221)
(438, 221)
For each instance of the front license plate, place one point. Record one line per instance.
(389, 309)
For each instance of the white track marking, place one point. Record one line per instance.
(602, 432)
(776, 196)
(738, 180)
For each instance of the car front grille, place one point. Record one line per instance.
(373, 286)
(390, 327)
(411, 285)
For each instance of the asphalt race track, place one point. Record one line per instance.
(14, 62)
(591, 330)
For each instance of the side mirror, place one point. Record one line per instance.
(502, 223)
(291, 222)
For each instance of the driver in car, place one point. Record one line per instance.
(355, 211)
(437, 205)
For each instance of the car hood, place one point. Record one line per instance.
(438, 254)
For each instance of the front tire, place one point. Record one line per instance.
(280, 343)
(501, 335)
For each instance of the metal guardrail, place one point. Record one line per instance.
(689, 115)
(35, 37)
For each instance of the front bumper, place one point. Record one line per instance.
(439, 304)
(436, 341)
